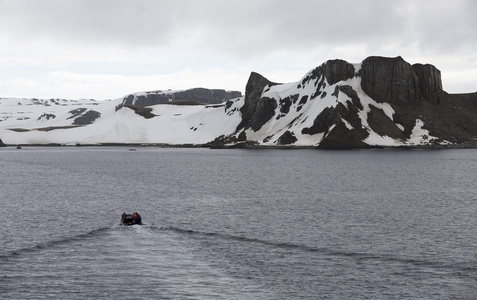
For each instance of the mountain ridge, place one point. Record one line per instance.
(380, 102)
(410, 93)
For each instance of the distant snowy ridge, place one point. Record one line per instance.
(200, 95)
(338, 105)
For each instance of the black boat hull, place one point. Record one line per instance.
(129, 220)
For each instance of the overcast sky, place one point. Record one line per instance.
(105, 49)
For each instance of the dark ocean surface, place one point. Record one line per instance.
(238, 224)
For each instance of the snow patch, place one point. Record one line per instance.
(419, 135)
(375, 139)
(347, 124)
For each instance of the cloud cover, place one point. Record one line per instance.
(107, 48)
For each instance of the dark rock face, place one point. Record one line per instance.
(337, 70)
(395, 81)
(287, 138)
(76, 112)
(256, 111)
(146, 112)
(46, 116)
(384, 126)
(328, 117)
(2, 144)
(337, 134)
(454, 120)
(302, 102)
(265, 110)
(390, 80)
(199, 95)
(316, 77)
(87, 118)
(350, 92)
(430, 82)
(342, 138)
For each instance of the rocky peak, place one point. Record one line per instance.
(430, 82)
(253, 92)
(395, 81)
(391, 80)
(337, 70)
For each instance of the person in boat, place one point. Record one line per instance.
(136, 217)
(131, 219)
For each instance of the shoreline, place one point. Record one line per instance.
(244, 146)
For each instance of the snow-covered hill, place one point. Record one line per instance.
(27, 121)
(379, 102)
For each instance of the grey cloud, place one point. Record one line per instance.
(244, 28)
(447, 27)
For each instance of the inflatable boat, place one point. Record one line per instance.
(131, 219)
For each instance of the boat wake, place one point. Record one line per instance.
(461, 269)
(57, 242)
(92, 234)
(218, 241)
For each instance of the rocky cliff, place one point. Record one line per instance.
(379, 102)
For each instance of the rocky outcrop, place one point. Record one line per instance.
(331, 122)
(87, 118)
(287, 138)
(430, 83)
(390, 80)
(341, 138)
(256, 111)
(2, 144)
(395, 81)
(337, 70)
(145, 112)
(199, 95)
(82, 116)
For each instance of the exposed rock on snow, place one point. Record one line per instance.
(253, 93)
(199, 95)
(87, 118)
(146, 112)
(338, 70)
(337, 105)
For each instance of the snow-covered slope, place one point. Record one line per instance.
(313, 110)
(28, 121)
(379, 102)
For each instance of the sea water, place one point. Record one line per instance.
(238, 224)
